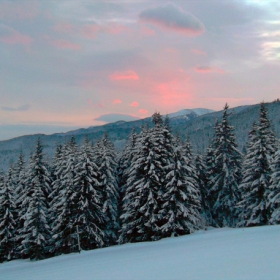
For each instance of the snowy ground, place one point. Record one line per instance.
(252, 253)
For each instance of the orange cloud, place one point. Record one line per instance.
(134, 104)
(206, 69)
(143, 111)
(117, 101)
(127, 75)
(63, 44)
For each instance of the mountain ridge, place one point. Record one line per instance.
(198, 129)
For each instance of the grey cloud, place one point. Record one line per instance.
(115, 117)
(172, 17)
(25, 107)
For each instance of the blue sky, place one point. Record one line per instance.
(68, 64)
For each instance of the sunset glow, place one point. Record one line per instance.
(127, 75)
(74, 61)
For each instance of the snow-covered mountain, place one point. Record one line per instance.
(249, 253)
(184, 112)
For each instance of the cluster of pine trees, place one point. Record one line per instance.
(90, 197)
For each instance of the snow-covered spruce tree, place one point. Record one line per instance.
(249, 176)
(200, 168)
(56, 188)
(89, 217)
(257, 172)
(181, 207)
(125, 161)
(223, 189)
(18, 173)
(36, 231)
(273, 199)
(141, 218)
(64, 204)
(105, 159)
(212, 169)
(7, 220)
(140, 207)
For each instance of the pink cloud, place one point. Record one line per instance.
(127, 75)
(134, 104)
(63, 44)
(147, 31)
(171, 50)
(64, 27)
(206, 69)
(98, 105)
(18, 10)
(199, 52)
(117, 101)
(90, 31)
(143, 111)
(13, 37)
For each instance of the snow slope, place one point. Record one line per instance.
(251, 253)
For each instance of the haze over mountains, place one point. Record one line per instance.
(194, 124)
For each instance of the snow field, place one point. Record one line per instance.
(250, 253)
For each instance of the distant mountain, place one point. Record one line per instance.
(186, 112)
(108, 118)
(195, 124)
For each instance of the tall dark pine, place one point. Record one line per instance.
(257, 173)
(36, 231)
(7, 220)
(223, 189)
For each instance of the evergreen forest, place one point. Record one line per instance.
(91, 196)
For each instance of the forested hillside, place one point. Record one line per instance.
(89, 197)
(198, 128)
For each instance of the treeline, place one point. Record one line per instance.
(90, 197)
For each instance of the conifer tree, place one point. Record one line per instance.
(125, 161)
(55, 194)
(181, 195)
(142, 218)
(64, 234)
(89, 218)
(273, 199)
(7, 220)
(105, 158)
(257, 172)
(140, 206)
(200, 168)
(212, 169)
(223, 190)
(36, 231)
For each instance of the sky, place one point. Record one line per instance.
(75, 63)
